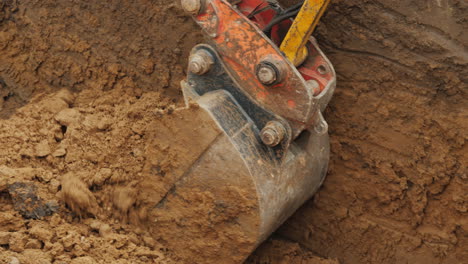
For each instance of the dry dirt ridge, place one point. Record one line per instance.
(86, 86)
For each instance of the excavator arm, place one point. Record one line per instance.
(294, 44)
(256, 91)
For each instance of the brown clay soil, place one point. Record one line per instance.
(85, 87)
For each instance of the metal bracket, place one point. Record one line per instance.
(217, 78)
(260, 71)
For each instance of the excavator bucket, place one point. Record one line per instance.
(254, 145)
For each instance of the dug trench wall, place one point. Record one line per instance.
(397, 191)
(84, 86)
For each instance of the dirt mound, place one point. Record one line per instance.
(79, 91)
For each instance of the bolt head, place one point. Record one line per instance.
(273, 133)
(314, 86)
(269, 137)
(191, 6)
(200, 62)
(267, 75)
(195, 67)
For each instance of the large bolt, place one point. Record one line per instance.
(200, 62)
(273, 133)
(192, 6)
(270, 71)
(267, 73)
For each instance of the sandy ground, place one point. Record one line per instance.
(397, 187)
(85, 88)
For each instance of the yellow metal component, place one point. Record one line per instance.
(294, 44)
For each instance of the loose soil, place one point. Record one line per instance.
(88, 88)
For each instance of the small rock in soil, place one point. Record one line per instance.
(66, 96)
(43, 149)
(68, 117)
(40, 233)
(4, 238)
(14, 261)
(17, 242)
(60, 152)
(33, 244)
(27, 203)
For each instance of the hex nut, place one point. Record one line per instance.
(270, 71)
(192, 6)
(200, 62)
(273, 133)
(266, 74)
